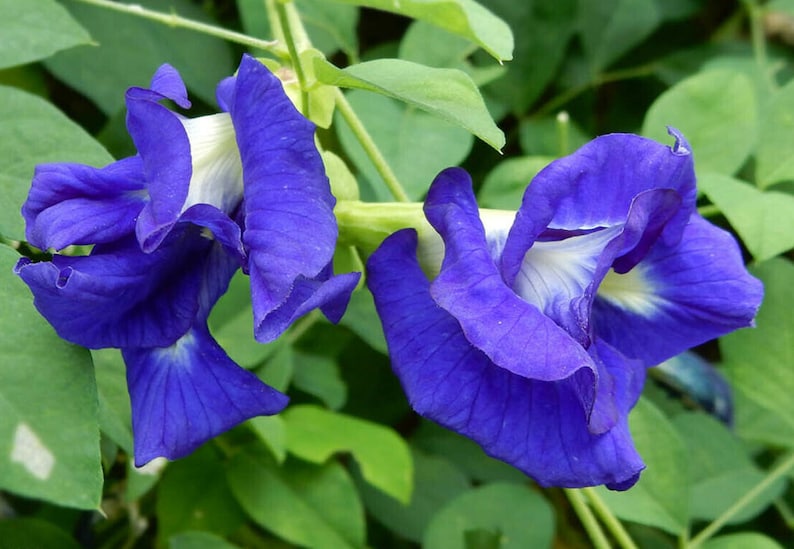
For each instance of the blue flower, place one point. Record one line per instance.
(244, 188)
(534, 338)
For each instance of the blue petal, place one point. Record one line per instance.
(495, 320)
(122, 297)
(539, 427)
(679, 296)
(596, 186)
(75, 204)
(290, 229)
(189, 392)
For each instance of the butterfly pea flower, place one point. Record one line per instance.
(202, 198)
(535, 336)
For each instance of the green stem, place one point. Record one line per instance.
(784, 467)
(174, 20)
(302, 325)
(587, 519)
(570, 94)
(755, 14)
(369, 146)
(284, 19)
(610, 520)
(709, 210)
(365, 224)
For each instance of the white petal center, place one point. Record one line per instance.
(217, 177)
(633, 291)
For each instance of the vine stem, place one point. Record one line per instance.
(754, 13)
(610, 520)
(587, 518)
(174, 20)
(784, 467)
(369, 146)
(292, 48)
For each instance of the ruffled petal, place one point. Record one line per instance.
(122, 297)
(678, 296)
(75, 204)
(495, 320)
(536, 426)
(290, 229)
(189, 392)
(596, 186)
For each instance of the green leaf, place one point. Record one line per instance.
(125, 58)
(661, 497)
(742, 540)
(198, 540)
(416, 144)
(504, 186)
(33, 533)
(35, 30)
(308, 505)
(315, 434)
(436, 482)
(271, 431)
(504, 510)
(194, 494)
(115, 414)
(758, 360)
(463, 17)
(539, 26)
(548, 137)
(763, 219)
(611, 28)
(716, 111)
(449, 94)
(319, 376)
(49, 433)
(720, 470)
(362, 318)
(32, 132)
(774, 161)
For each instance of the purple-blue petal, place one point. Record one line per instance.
(495, 320)
(120, 296)
(76, 204)
(536, 426)
(290, 229)
(683, 295)
(189, 392)
(595, 187)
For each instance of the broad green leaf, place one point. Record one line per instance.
(661, 497)
(194, 494)
(115, 415)
(720, 470)
(416, 144)
(271, 430)
(760, 361)
(362, 318)
(611, 28)
(466, 18)
(307, 505)
(774, 161)
(436, 481)
(49, 433)
(763, 219)
(504, 186)
(33, 132)
(131, 49)
(343, 183)
(742, 540)
(716, 111)
(330, 27)
(542, 30)
(506, 511)
(315, 434)
(34, 533)
(447, 93)
(36, 29)
(198, 540)
(318, 375)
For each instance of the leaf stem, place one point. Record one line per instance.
(587, 518)
(709, 210)
(174, 20)
(369, 146)
(292, 48)
(754, 13)
(609, 519)
(782, 468)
